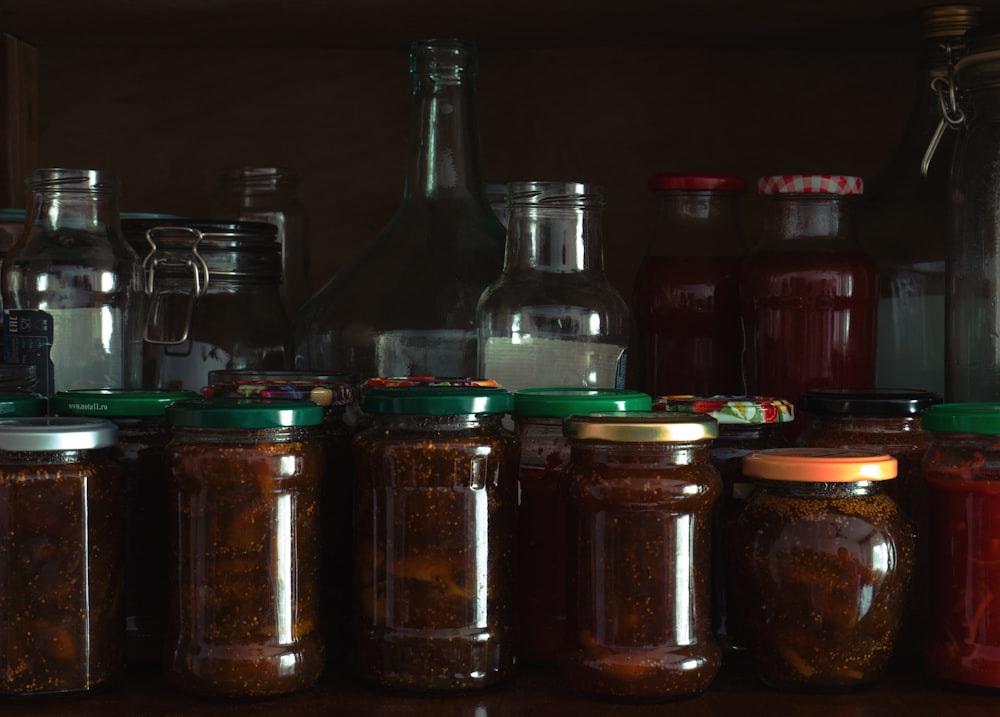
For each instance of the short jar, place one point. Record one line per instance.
(641, 489)
(62, 566)
(435, 533)
(244, 496)
(823, 559)
(542, 523)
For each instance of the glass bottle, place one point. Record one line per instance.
(72, 287)
(406, 305)
(903, 222)
(267, 194)
(686, 295)
(552, 319)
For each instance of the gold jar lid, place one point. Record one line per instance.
(949, 20)
(641, 427)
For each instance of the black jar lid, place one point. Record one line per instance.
(875, 402)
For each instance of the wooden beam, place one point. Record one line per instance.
(18, 119)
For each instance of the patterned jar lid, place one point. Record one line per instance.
(810, 184)
(730, 409)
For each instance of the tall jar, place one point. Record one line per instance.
(542, 512)
(552, 318)
(406, 305)
(72, 286)
(641, 490)
(962, 471)
(823, 562)
(62, 567)
(268, 194)
(244, 570)
(435, 520)
(809, 293)
(214, 302)
(686, 295)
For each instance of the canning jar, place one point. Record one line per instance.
(22, 404)
(435, 521)
(62, 564)
(823, 559)
(140, 415)
(746, 424)
(962, 470)
(244, 496)
(641, 490)
(542, 521)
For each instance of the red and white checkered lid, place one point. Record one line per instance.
(810, 184)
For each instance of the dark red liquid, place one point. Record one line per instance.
(688, 312)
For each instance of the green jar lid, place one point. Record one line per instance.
(563, 402)
(962, 418)
(22, 404)
(116, 402)
(243, 413)
(437, 400)
(56, 434)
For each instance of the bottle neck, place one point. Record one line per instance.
(697, 223)
(809, 218)
(248, 181)
(84, 200)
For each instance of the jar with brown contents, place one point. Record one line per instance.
(244, 496)
(436, 495)
(62, 556)
(823, 562)
(641, 491)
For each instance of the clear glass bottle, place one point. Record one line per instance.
(903, 222)
(406, 305)
(268, 194)
(552, 318)
(72, 287)
(686, 295)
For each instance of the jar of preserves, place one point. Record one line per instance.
(214, 303)
(244, 496)
(542, 520)
(22, 404)
(823, 559)
(62, 564)
(641, 490)
(746, 424)
(686, 293)
(962, 471)
(140, 416)
(435, 522)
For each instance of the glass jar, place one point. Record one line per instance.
(18, 377)
(686, 294)
(641, 489)
(244, 497)
(406, 306)
(268, 194)
(22, 404)
(823, 559)
(962, 471)
(542, 513)
(552, 318)
(11, 229)
(72, 287)
(214, 304)
(140, 416)
(809, 293)
(746, 424)
(435, 519)
(62, 573)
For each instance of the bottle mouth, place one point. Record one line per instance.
(447, 58)
(555, 194)
(69, 180)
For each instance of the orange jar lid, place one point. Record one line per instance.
(819, 465)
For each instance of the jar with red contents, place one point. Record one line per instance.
(746, 424)
(686, 293)
(962, 471)
(809, 292)
(542, 523)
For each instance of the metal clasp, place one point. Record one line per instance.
(952, 115)
(162, 300)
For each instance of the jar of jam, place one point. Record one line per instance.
(746, 424)
(641, 491)
(140, 415)
(22, 404)
(62, 563)
(244, 496)
(822, 562)
(435, 522)
(542, 526)
(962, 471)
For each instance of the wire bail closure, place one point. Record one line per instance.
(952, 116)
(164, 298)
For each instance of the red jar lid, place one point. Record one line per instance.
(810, 184)
(697, 182)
